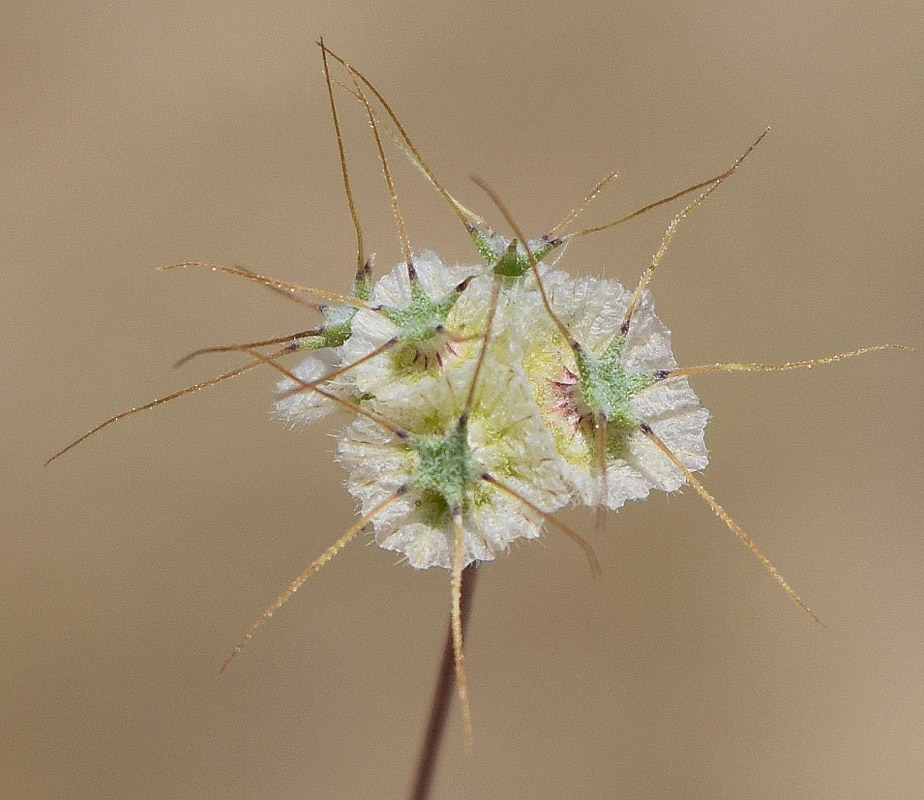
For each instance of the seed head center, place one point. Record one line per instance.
(606, 388)
(447, 469)
(422, 318)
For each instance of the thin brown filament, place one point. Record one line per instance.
(360, 248)
(492, 310)
(402, 145)
(456, 207)
(579, 208)
(227, 348)
(569, 532)
(286, 293)
(534, 265)
(342, 402)
(456, 619)
(672, 228)
(312, 568)
(272, 282)
(161, 400)
(808, 364)
(645, 209)
(338, 372)
(640, 211)
(459, 339)
(392, 193)
(733, 526)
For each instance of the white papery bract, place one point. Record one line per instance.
(537, 401)
(298, 408)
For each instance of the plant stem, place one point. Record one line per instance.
(439, 706)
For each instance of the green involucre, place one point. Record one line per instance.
(446, 468)
(606, 388)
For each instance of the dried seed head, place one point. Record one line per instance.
(486, 397)
(611, 380)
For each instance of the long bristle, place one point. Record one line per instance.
(733, 526)
(312, 568)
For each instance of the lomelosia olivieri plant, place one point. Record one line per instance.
(481, 399)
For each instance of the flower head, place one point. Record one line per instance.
(535, 407)
(612, 381)
(442, 457)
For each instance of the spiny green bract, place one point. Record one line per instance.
(447, 467)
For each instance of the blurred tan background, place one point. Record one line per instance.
(135, 135)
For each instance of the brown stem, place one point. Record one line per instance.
(439, 706)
